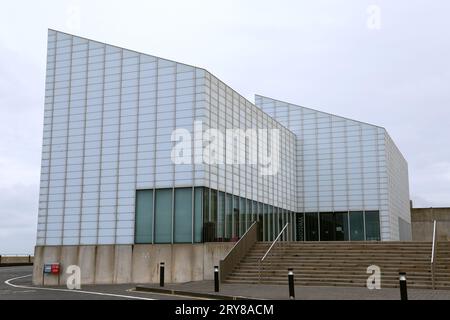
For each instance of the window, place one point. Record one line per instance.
(198, 219)
(356, 226)
(144, 216)
(312, 227)
(213, 211)
(249, 219)
(235, 217)
(221, 217)
(242, 217)
(372, 220)
(341, 219)
(209, 227)
(163, 216)
(183, 215)
(327, 226)
(228, 217)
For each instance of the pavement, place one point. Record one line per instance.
(280, 292)
(15, 284)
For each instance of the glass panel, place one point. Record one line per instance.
(372, 225)
(280, 220)
(144, 216)
(276, 214)
(205, 204)
(213, 212)
(249, 214)
(209, 228)
(255, 211)
(221, 217)
(356, 226)
(270, 223)
(235, 218)
(183, 215)
(242, 216)
(327, 226)
(198, 219)
(163, 216)
(228, 218)
(292, 225)
(261, 221)
(266, 228)
(311, 227)
(341, 224)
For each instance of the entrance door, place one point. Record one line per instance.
(341, 223)
(333, 226)
(327, 227)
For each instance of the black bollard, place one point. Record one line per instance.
(216, 279)
(291, 284)
(161, 274)
(403, 286)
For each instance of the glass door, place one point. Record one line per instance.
(327, 227)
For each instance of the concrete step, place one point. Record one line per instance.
(345, 263)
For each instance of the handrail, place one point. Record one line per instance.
(270, 248)
(433, 254)
(274, 241)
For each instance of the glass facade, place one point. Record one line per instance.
(108, 121)
(344, 165)
(211, 212)
(338, 226)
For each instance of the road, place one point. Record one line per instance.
(15, 284)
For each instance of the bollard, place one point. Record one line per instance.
(403, 286)
(216, 279)
(161, 274)
(291, 284)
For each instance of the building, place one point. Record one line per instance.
(118, 195)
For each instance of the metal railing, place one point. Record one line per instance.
(433, 254)
(266, 256)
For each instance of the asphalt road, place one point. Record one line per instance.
(15, 284)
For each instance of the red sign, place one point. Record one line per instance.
(55, 268)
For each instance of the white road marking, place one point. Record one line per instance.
(8, 282)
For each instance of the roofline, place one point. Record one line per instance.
(122, 48)
(334, 115)
(189, 65)
(315, 110)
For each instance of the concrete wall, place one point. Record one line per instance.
(5, 259)
(422, 223)
(115, 264)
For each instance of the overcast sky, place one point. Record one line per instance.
(382, 62)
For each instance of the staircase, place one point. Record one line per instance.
(345, 264)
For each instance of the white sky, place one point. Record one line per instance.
(319, 54)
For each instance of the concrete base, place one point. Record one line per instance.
(118, 264)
